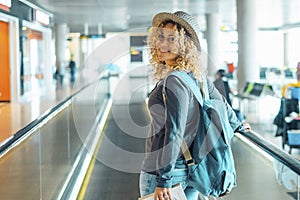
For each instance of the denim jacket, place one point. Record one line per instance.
(174, 116)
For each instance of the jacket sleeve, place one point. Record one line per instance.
(235, 123)
(176, 99)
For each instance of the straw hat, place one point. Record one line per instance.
(184, 19)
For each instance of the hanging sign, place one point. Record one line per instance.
(42, 17)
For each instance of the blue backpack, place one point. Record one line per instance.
(210, 160)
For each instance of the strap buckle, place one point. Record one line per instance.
(190, 162)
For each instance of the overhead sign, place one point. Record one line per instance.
(42, 17)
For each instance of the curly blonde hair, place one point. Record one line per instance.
(188, 59)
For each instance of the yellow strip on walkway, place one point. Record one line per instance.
(87, 177)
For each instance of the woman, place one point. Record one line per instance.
(174, 45)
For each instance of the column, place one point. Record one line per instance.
(61, 36)
(285, 49)
(248, 69)
(61, 47)
(213, 22)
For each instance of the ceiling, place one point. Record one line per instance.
(130, 15)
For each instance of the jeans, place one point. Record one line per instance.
(148, 184)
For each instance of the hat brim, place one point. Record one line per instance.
(164, 16)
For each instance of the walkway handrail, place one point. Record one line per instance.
(28, 129)
(25, 132)
(274, 151)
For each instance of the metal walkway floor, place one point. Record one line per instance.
(256, 177)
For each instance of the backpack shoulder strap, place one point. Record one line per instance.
(189, 82)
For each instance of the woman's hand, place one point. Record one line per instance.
(162, 194)
(246, 127)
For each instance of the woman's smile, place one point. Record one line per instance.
(163, 54)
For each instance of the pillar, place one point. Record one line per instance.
(248, 69)
(213, 23)
(86, 29)
(61, 45)
(285, 49)
(100, 31)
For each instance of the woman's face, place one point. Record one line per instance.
(166, 45)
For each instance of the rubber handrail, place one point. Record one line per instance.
(24, 132)
(274, 151)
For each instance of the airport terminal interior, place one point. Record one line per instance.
(74, 83)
